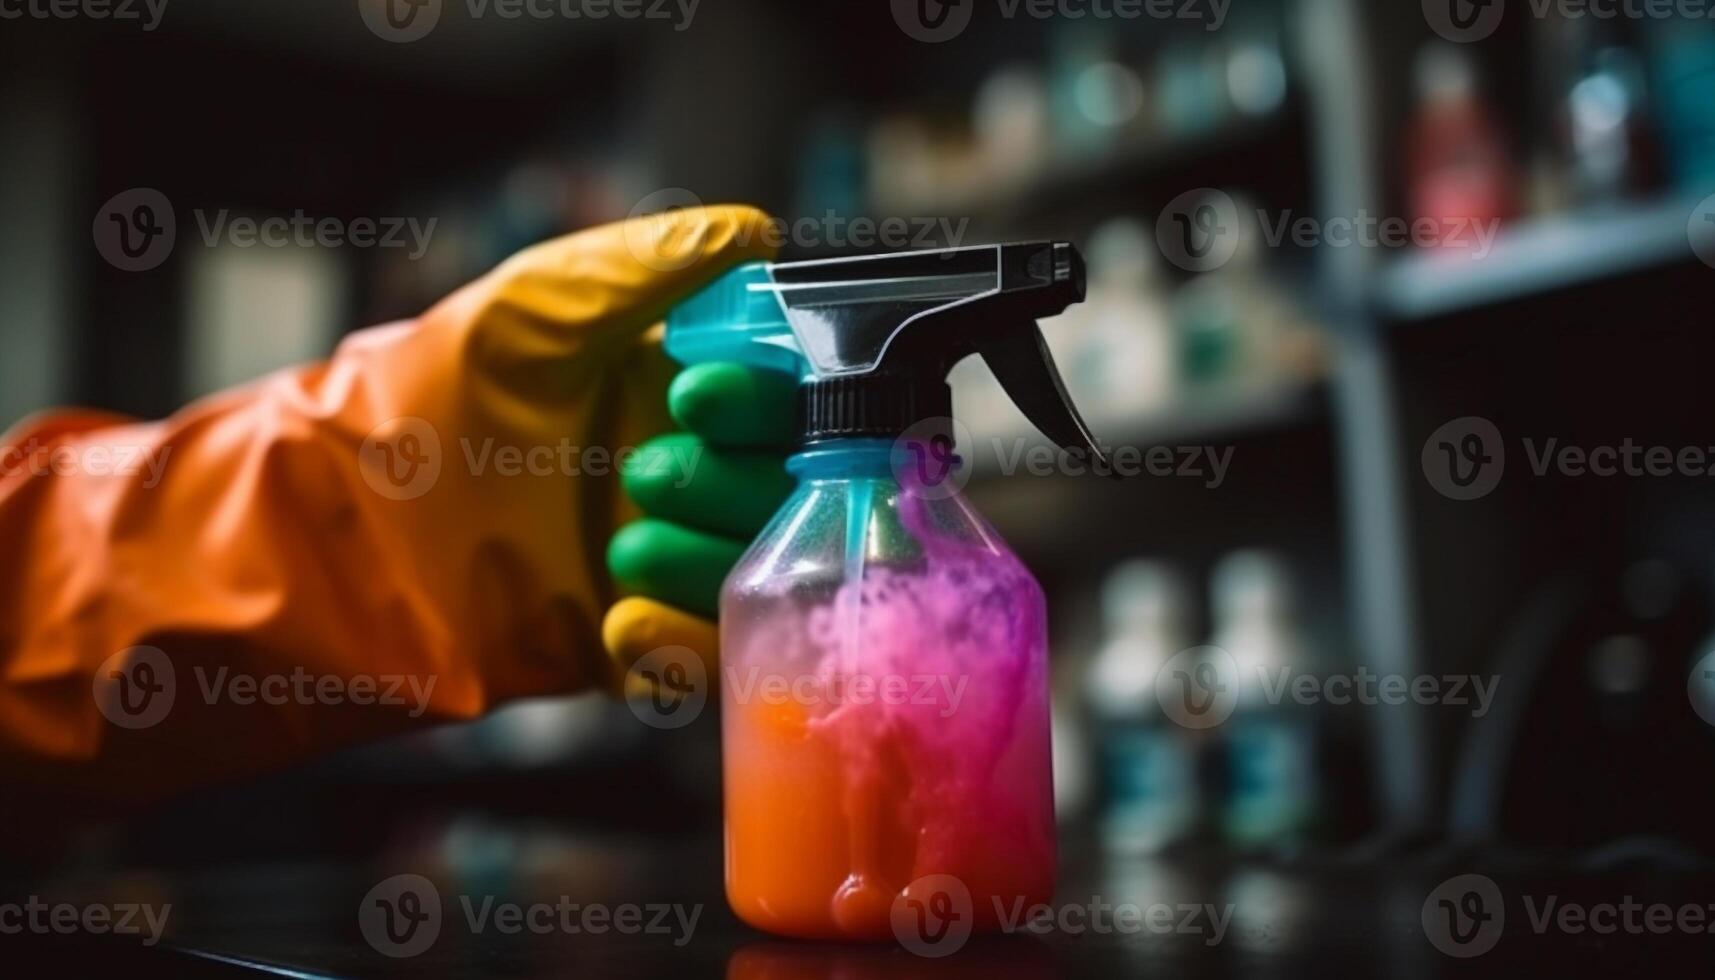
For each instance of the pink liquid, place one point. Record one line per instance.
(913, 741)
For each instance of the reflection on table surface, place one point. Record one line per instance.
(512, 899)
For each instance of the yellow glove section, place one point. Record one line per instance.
(411, 531)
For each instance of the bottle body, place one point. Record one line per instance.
(884, 707)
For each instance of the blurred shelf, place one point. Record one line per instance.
(1193, 420)
(1540, 256)
(1177, 164)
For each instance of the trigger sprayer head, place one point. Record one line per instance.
(871, 338)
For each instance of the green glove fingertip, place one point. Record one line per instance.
(677, 565)
(679, 478)
(735, 405)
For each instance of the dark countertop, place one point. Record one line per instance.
(1325, 915)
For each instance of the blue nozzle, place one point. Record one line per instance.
(738, 317)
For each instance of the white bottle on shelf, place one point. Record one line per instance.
(1123, 361)
(1147, 763)
(1270, 790)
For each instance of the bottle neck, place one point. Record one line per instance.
(869, 406)
(843, 459)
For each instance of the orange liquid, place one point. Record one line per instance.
(828, 823)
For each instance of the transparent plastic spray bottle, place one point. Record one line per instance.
(884, 675)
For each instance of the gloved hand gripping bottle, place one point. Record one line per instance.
(884, 678)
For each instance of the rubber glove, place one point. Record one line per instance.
(701, 516)
(430, 505)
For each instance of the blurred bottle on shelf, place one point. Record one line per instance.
(1191, 87)
(1683, 56)
(831, 168)
(1070, 748)
(1150, 797)
(1011, 122)
(1121, 361)
(1458, 170)
(1606, 128)
(918, 164)
(1237, 329)
(1270, 789)
(1256, 76)
(1097, 100)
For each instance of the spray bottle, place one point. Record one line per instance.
(884, 680)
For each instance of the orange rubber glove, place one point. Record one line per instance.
(412, 531)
